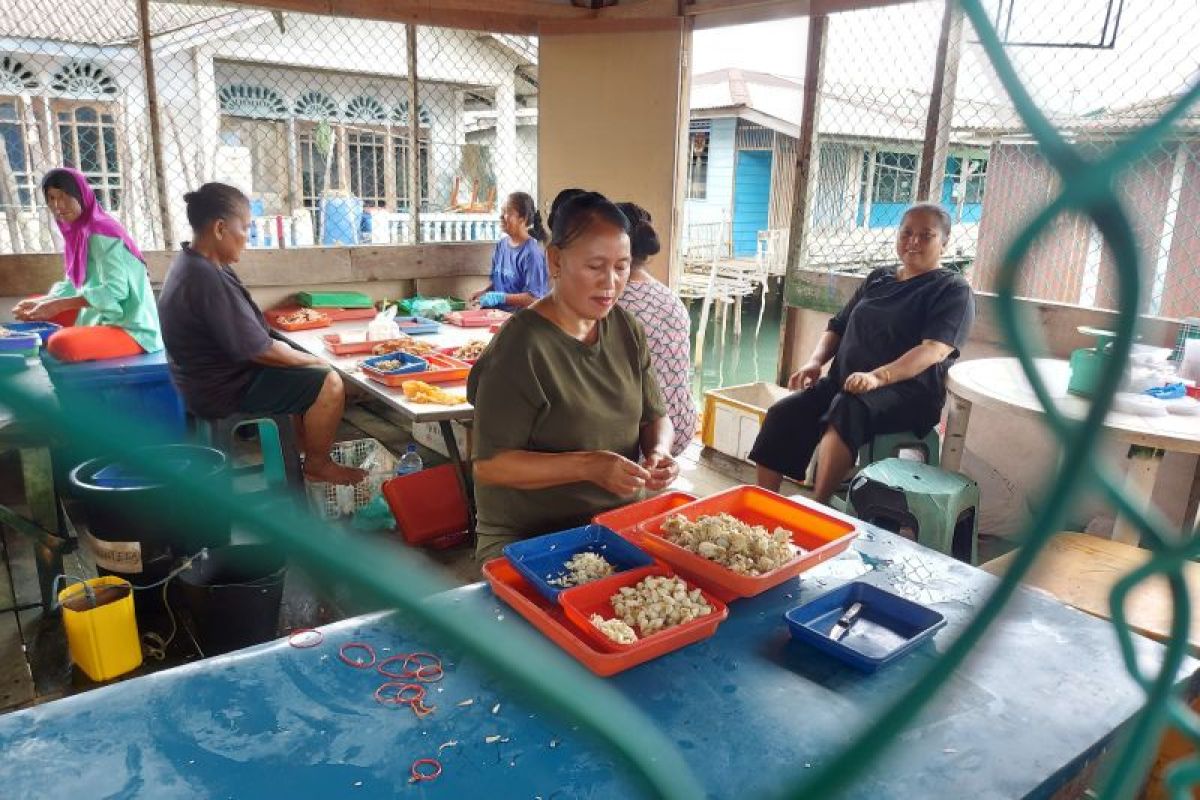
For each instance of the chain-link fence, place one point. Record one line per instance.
(1099, 67)
(312, 116)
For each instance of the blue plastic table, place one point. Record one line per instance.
(1028, 711)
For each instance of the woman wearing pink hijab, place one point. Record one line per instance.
(106, 280)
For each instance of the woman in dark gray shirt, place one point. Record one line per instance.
(222, 355)
(891, 346)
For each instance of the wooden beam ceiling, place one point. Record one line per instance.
(527, 17)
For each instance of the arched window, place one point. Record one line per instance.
(315, 106)
(251, 100)
(365, 108)
(85, 81)
(14, 77)
(400, 115)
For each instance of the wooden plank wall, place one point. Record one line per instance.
(272, 275)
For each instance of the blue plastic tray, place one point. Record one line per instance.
(27, 343)
(408, 363)
(43, 329)
(888, 627)
(544, 557)
(415, 326)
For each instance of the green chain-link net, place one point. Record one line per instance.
(543, 674)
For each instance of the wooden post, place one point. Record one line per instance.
(414, 140)
(156, 144)
(806, 171)
(932, 168)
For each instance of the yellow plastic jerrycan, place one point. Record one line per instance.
(101, 627)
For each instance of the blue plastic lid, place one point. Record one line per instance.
(127, 365)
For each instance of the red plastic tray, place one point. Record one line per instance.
(442, 369)
(477, 317)
(626, 518)
(580, 602)
(513, 589)
(334, 344)
(275, 316)
(819, 532)
(429, 507)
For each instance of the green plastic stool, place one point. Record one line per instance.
(889, 445)
(276, 437)
(940, 507)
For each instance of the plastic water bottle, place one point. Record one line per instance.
(410, 462)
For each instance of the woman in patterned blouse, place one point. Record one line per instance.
(667, 325)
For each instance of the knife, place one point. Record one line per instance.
(848, 618)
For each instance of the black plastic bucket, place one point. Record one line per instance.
(137, 526)
(234, 596)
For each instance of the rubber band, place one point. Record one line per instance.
(296, 643)
(422, 710)
(411, 673)
(404, 673)
(353, 662)
(430, 678)
(394, 699)
(418, 775)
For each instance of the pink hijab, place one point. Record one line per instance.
(92, 219)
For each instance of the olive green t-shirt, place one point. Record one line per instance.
(537, 388)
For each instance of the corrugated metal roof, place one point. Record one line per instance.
(846, 110)
(100, 22)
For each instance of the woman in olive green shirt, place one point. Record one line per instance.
(569, 420)
(106, 280)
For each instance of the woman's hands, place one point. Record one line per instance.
(662, 468)
(805, 377)
(862, 382)
(43, 309)
(615, 473)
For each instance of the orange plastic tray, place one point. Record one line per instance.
(581, 602)
(275, 316)
(821, 535)
(334, 344)
(442, 369)
(349, 314)
(450, 351)
(477, 317)
(626, 518)
(513, 589)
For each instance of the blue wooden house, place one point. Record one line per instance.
(743, 132)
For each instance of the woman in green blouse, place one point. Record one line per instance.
(106, 280)
(569, 420)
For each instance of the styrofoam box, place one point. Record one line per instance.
(733, 416)
(429, 434)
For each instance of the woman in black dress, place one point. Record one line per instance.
(891, 347)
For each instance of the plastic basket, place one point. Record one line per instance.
(334, 502)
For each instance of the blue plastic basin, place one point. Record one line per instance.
(888, 627)
(544, 558)
(408, 363)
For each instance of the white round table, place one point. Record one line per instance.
(999, 383)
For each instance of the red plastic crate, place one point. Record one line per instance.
(626, 518)
(817, 530)
(580, 602)
(429, 506)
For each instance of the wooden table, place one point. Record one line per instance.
(1027, 716)
(448, 336)
(1000, 384)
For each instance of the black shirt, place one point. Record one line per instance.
(887, 317)
(212, 330)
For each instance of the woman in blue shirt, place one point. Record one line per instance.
(518, 263)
